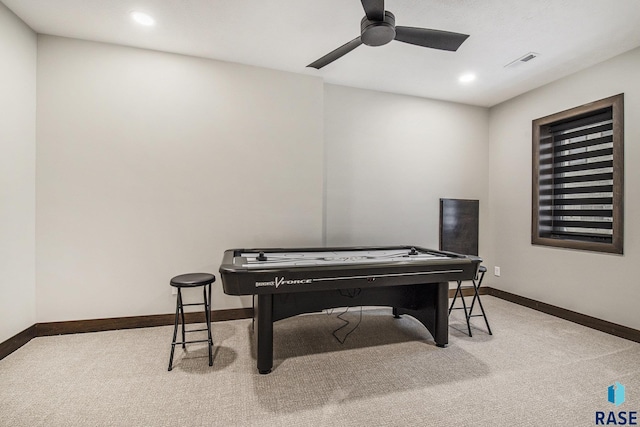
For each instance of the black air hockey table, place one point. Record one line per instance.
(288, 282)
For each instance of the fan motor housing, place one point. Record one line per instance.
(377, 33)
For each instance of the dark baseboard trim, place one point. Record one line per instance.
(115, 323)
(12, 344)
(467, 291)
(572, 316)
(97, 325)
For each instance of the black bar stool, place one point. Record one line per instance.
(476, 297)
(192, 280)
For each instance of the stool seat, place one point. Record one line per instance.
(192, 280)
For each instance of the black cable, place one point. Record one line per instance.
(349, 293)
(346, 323)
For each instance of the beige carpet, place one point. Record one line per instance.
(536, 370)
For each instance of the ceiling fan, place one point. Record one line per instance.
(378, 27)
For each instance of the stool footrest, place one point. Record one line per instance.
(190, 342)
(205, 329)
(193, 303)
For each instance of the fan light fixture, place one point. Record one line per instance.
(378, 27)
(142, 18)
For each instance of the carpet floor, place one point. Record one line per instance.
(535, 370)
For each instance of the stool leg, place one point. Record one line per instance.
(182, 316)
(175, 332)
(455, 296)
(485, 316)
(466, 314)
(477, 297)
(207, 316)
(464, 305)
(476, 286)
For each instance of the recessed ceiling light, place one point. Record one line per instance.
(142, 18)
(467, 78)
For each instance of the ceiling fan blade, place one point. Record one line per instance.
(374, 9)
(435, 39)
(336, 54)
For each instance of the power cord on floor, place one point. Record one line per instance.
(350, 293)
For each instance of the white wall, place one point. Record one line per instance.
(152, 164)
(601, 285)
(17, 174)
(389, 160)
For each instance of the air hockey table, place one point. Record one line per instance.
(287, 282)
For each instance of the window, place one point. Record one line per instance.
(578, 177)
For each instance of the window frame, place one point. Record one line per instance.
(616, 103)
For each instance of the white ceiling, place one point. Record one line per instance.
(287, 35)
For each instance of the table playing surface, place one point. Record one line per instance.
(335, 257)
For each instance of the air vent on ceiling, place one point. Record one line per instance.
(522, 60)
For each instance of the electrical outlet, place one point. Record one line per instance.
(174, 290)
(496, 271)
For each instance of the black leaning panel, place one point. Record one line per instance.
(459, 226)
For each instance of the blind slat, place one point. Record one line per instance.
(573, 123)
(581, 167)
(582, 132)
(578, 201)
(600, 225)
(584, 155)
(549, 212)
(582, 190)
(548, 180)
(586, 237)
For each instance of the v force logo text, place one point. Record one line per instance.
(282, 281)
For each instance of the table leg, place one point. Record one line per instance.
(442, 315)
(264, 332)
(427, 303)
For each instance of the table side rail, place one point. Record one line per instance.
(309, 279)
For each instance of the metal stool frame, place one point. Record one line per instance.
(180, 313)
(476, 296)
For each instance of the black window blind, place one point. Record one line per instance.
(576, 178)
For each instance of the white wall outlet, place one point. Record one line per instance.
(174, 290)
(496, 271)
